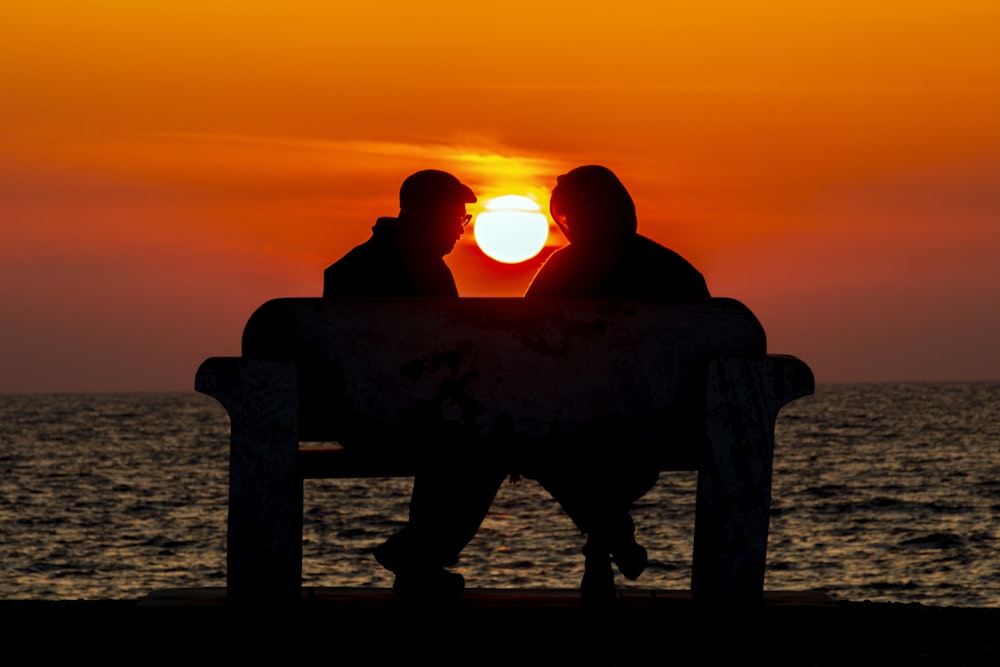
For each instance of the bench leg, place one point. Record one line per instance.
(734, 479)
(264, 542)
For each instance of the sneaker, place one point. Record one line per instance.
(392, 554)
(630, 558)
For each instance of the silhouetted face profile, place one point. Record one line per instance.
(593, 209)
(436, 230)
(432, 210)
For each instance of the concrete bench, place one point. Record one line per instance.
(375, 378)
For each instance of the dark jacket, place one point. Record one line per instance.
(644, 269)
(387, 265)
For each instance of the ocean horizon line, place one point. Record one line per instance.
(819, 383)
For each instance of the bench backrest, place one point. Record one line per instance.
(506, 371)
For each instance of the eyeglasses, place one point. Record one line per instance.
(466, 219)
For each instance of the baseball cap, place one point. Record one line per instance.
(432, 187)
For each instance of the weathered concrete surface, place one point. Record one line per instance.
(264, 525)
(379, 373)
(743, 398)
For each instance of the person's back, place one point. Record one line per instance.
(642, 269)
(384, 266)
(597, 485)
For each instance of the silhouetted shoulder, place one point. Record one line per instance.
(556, 275)
(382, 266)
(643, 269)
(648, 268)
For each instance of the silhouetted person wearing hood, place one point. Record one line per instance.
(597, 483)
(404, 258)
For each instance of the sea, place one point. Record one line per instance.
(885, 492)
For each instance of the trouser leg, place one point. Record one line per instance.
(599, 503)
(447, 507)
(597, 500)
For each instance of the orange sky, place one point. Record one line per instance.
(166, 167)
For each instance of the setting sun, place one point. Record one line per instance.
(512, 229)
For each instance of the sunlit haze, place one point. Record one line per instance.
(167, 167)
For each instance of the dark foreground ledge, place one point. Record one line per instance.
(501, 626)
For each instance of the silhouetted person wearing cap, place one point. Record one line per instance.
(404, 258)
(597, 483)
